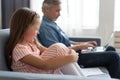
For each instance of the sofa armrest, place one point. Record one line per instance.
(84, 39)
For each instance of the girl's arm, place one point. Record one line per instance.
(52, 63)
(40, 46)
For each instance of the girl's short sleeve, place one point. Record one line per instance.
(20, 51)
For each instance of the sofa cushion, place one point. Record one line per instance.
(3, 37)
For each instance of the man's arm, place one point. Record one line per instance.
(75, 43)
(83, 45)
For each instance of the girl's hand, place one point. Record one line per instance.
(74, 55)
(71, 51)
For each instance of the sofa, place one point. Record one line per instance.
(5, 74)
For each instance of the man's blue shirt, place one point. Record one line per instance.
(50, 33)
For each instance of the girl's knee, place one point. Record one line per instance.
(60, 47)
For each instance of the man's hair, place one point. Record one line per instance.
(50, 3)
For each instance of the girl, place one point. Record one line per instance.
(25, 54)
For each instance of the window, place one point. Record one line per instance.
(79, 14)
(76, 15)
(90, 13)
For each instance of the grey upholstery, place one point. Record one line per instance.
(30, 76)
(3, 37)
(5, 74)
(84, 39)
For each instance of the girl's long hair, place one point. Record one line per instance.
(19, 22)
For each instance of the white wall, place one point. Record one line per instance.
(106, 19)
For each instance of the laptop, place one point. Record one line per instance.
(98, 48)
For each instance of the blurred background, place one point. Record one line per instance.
(79, 18)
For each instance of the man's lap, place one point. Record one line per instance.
(96, 59)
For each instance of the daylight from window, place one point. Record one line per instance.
(76, 15)
(80, 14)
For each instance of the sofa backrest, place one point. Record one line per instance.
(4, 33)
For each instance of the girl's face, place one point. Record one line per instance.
(32, 31)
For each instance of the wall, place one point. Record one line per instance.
(106, 19)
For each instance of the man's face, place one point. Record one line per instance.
(54, 12)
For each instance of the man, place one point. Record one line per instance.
(50, 33)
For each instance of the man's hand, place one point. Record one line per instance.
(85, 45)
(93, 42)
